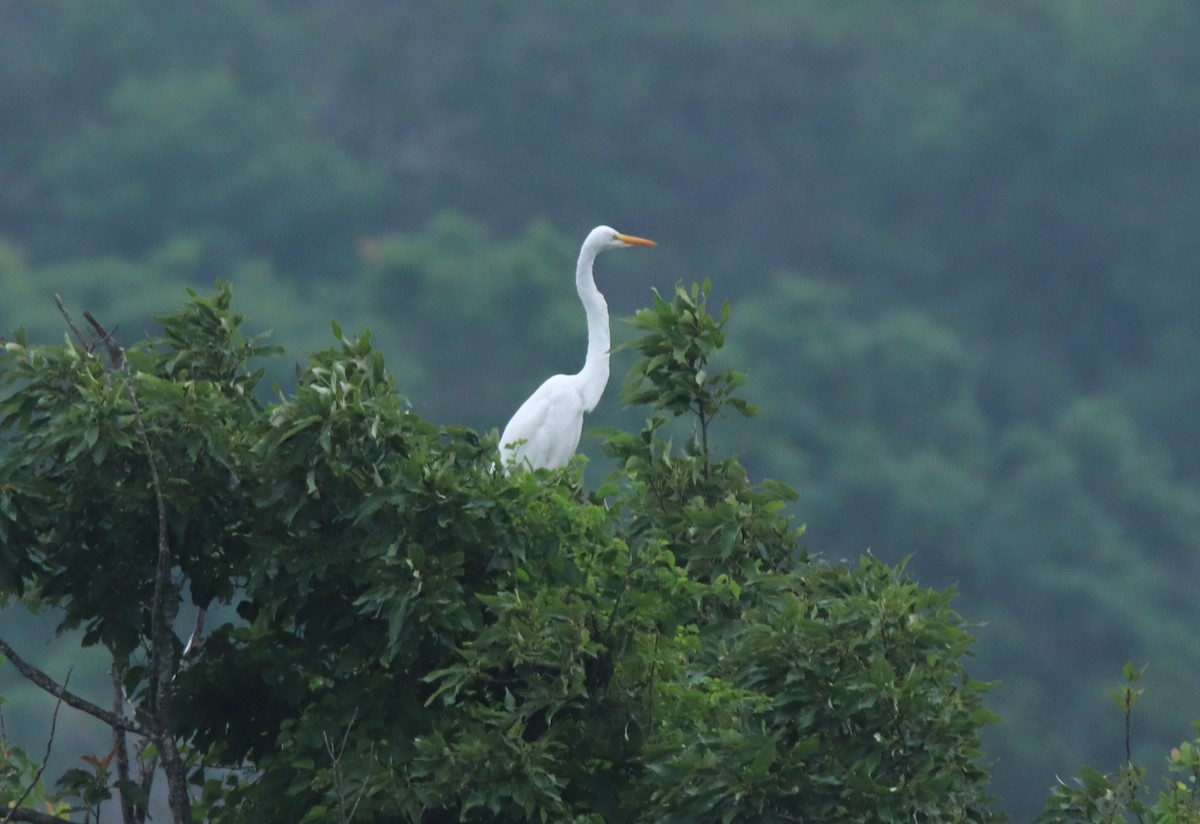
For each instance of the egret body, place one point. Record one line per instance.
(545, 430)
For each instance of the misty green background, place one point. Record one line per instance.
(960, 239)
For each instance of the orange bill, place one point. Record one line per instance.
(635, 241)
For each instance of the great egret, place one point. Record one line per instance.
(545, 430)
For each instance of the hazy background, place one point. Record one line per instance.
(960, 239)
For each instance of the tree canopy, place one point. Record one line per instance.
(419, 636)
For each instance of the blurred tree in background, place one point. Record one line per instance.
(980, 346)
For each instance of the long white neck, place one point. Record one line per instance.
(594, 375)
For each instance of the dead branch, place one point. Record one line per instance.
(62, 310)
(115, 353)
(41, 679)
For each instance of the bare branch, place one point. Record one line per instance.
(37, 776)
(115, 353)
(62, 309)
(41, 679)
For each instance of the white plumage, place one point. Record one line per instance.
(545, 430)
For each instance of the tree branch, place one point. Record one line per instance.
(335, 758)
(62, 310)
(162, 612)
(41, 679)
(115, 352)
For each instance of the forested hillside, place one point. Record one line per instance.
(959, 239)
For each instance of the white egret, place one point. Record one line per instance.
(545, 430)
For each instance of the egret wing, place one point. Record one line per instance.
(545, 430)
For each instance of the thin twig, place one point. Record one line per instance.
(1128, 725)
(39, 678)
(37, 776)
(1129, 698)
(335, 758)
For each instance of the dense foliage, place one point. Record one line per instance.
(422, 637)
(961, 236)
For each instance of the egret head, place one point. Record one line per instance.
(606, 237)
